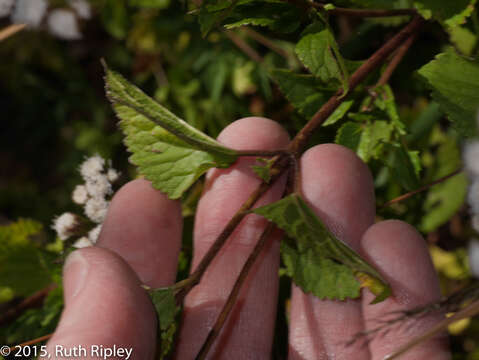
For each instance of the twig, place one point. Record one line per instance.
(396, 60)
(295, 147)
(32, 342)
(243, 46)
(215, 331)
(11, 30)
(469, 311)
(30, 302)
(302, 138)
(421, 189)
(265, 41)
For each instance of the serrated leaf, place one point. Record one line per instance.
(386, 102)
(317, 261)
(450, 13)
(307, 94)
(168, 151)
(318, 51)
(166, 309)
(264, 170)
(454, 81)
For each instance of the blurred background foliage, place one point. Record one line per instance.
(54, 114)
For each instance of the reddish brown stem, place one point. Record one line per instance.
(243, 46)
(215, 331)
(265, 41)
(31, 302)
(421, 189)
(32, 342)
(302, 138)
(396, 60)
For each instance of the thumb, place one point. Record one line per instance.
(105, 310)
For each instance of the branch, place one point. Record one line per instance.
(396, 60)
(243, 46)
(421, 189)
(32, 342)
(31, 302)
(265, 42)
(295, 147)
(215, 331)
(11, 30)
(302, 138)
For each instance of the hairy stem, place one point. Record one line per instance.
(220, 321)
(421, 189)
(295, 147)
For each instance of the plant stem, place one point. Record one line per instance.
(265, 41)
(30, 302)
(302, 138)
(469, 311)
(11, 30)
(215, 331)
(295, 147)
(32, 342)
(396, 60)
(261, 153)
(281, 163)
(421, 189)
(243, 46)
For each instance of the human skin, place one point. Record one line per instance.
(141, 238)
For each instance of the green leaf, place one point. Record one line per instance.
(463, 39)
(23, 266)
(366, 140)
(153, 4)
(450, 13)
(339, 113)
(404, 165)
(166, 309)
(168, 151)
(317, 261)
(445, 199)
(319, 52)
(264, 170)
(454, 81)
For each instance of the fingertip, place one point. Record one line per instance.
(144, 227)
(339, 187)
(400, 253)
(105, 305)
(254, 132)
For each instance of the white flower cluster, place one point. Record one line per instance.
(471, 163)
(60, 22)
(93, 195)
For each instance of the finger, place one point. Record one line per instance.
(399, 252)
(144, 227)
(339, 187)
(248, 331)
(104, 305)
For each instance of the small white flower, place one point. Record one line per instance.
(96, 209)
(80, 195)
(474, 257)
(471, 157)
(30, 12)
(98, 186)
(65, 225)
(6, 7)
(82, 242)
(94, 234)
(62, 23)
(92, 166)
(112, 175)
(82, 8)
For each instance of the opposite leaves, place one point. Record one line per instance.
(316, 260)
(168, 151)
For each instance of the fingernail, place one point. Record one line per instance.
(75, 274)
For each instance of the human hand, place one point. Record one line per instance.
(140, 242)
